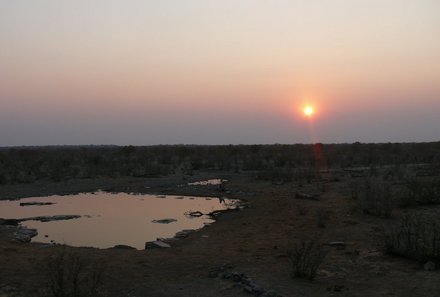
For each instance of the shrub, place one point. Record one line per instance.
(301, 210)
(321, 217)
(305, 258)
(70, 275)
(415, 237)
(375, 198)
(420, 192)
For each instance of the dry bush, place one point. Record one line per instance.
(305, 258)
(375, 198)
(70, 275)
(415, 237)
(322, 217)
(420, 192)
(355, 189)
(301, 210)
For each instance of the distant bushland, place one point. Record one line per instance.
(270, 162)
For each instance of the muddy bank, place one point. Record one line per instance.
(171, 185)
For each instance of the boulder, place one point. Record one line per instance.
(25, 235)
(183, 233)
(156, 244)
(164, 221)
(429, 266)
(338, 243)
(299, 195)
(194, 214)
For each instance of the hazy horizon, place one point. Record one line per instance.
(218, 72)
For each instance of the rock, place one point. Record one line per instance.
(278, 183)
(216, 213)
(51, 218)
(183, 233)
(9, 222)
(156, 244)
(429, 266)
(248, 289)
(299, 195)
(241, 280)
(36, 203)
(166, 240)
(25, 235)
(29, 232)
(7, 289)
(164, 221)
(237, 277)
(194, 214)
(161, 196)
(256, 290)
(350, 222)
(123, 247)
(337, 243)
(270, 294)
(214, 273)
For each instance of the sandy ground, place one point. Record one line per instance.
(254, 241)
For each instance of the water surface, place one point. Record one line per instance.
(109, 219)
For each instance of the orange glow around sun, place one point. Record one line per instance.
(308, 110)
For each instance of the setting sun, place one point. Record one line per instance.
(308, 110)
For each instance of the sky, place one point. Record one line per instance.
(218, 72)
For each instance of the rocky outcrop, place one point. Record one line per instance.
(240, 280)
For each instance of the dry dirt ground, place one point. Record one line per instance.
(254, 241)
